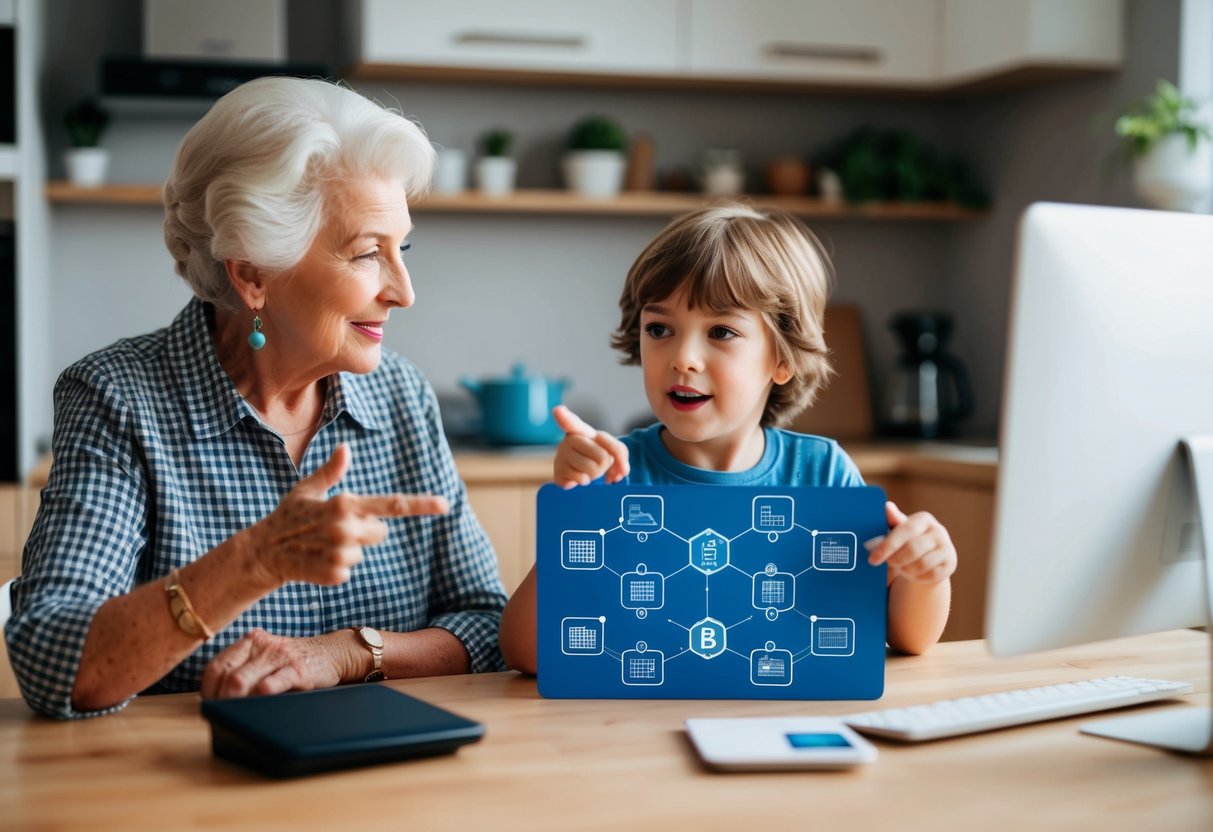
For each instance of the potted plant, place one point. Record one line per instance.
(595, 162)
(1172, 149)
(496, 169)
(86, 160)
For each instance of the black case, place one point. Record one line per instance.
(311, 731)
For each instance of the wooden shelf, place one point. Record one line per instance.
(539, 201)
(105, 195)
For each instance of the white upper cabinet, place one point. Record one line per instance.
(908, 44)
(622, 36)
(825, 41)
(988, 37)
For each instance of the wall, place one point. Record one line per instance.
(493, 289)
(1047, 143)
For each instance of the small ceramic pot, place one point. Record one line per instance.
(597, 174)
(787, 176)
(495, 175)
(86, 166)
(517, 409)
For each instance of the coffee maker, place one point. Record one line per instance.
(929, 394)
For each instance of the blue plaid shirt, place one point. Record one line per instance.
(158, 459)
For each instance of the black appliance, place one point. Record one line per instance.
(929, 391)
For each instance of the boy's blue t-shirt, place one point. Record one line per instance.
(789, 460)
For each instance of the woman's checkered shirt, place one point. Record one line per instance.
(158, 459)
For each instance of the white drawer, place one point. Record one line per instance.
(623, 36)
(832, 41)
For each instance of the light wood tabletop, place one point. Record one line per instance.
(627, 765)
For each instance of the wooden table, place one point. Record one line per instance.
(627, 765)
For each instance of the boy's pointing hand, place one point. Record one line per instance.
(585, 454)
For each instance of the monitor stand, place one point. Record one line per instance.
(1189, 729)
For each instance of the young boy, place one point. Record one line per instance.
(723, 311)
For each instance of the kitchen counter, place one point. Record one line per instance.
(937, 460)
(934, 460)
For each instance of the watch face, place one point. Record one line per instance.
(371, 636)
(375, 676)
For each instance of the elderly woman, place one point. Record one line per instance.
(259, 497)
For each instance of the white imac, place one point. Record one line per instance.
(1107, 423)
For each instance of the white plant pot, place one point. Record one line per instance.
(86, 166)
(723, 181)
(594, 173)
(495, 175)
(451, 174)
(1174, 177)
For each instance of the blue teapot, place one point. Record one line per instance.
(517, 409)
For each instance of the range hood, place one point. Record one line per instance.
(184, 86)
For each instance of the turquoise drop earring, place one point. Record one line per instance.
(256, 338)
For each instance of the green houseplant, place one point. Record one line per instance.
(1164, 112)
(597, 133)
(85, 122)
(1171, 149)
(496, 170)
(86, 160)
(875, 164)
(497, 142)
(595, 162)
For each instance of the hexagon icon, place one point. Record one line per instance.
(709, 551)
(708, 638)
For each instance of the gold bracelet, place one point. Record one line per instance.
(183, 611)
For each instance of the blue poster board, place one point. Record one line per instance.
(710, 592)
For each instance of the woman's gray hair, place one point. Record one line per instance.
(250, 179)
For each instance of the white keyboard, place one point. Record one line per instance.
(970, 714)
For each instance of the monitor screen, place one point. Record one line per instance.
(1107, 412)
(1109, 366)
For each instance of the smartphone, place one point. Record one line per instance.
(775, 743)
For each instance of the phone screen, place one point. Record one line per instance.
(817, 740)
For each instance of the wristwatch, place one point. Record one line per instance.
(374, 642)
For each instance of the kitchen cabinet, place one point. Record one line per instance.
(986, 37)
(502, 490)
(859, 41)
(922, 46)
(960, 493)
(624, 36)
(17, 507)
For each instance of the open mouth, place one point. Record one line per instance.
(684, 398)
(370, 329)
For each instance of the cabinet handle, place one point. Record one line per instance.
(520, 39)
(822, 51)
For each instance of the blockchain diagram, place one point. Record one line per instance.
(750, 580)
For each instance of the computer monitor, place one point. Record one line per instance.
(1109, 368)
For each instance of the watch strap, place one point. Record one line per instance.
(182, 609)
(376, 674)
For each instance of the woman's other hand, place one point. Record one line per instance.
(318, 539)
(585, 454)
(261, 663)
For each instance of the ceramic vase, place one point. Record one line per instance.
(1175, 177)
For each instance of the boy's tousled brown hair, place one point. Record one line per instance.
(734, 256)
